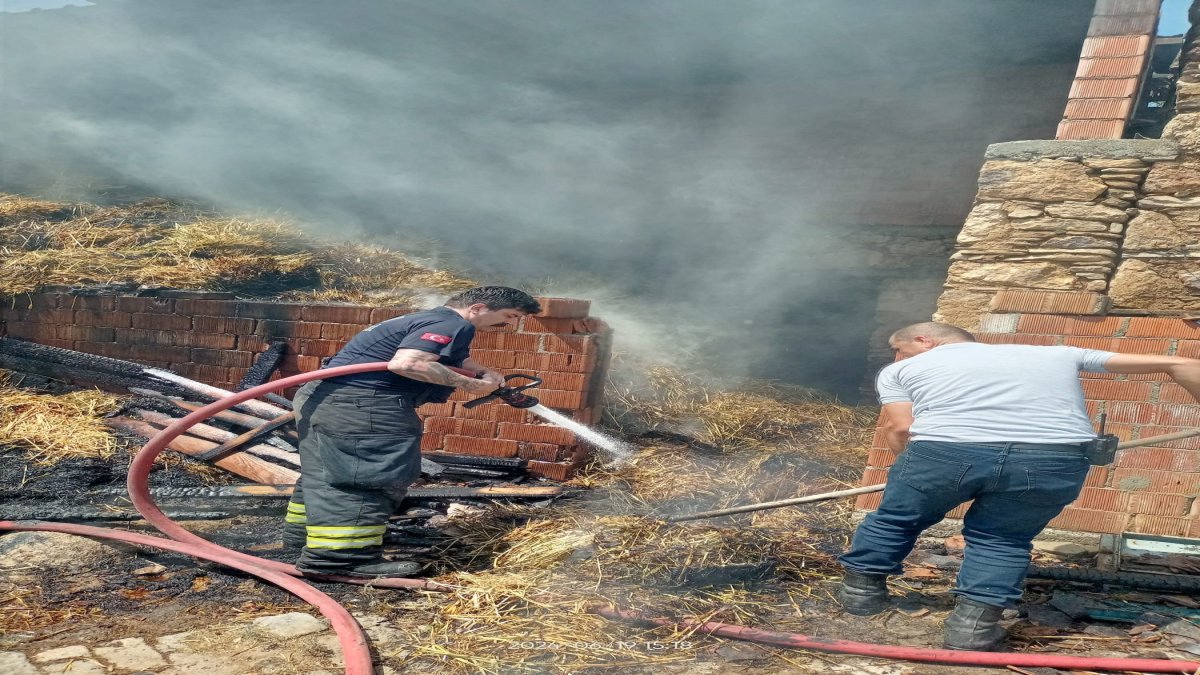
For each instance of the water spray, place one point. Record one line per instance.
(618, 452)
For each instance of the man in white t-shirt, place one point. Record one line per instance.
(1003, 425)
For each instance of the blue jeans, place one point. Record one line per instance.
(1017, 488)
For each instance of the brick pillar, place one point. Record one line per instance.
(1111, 67)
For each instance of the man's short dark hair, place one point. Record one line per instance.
(496, 298)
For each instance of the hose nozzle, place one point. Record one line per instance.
(514, 396)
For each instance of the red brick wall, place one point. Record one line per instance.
(1149, 490)
(1111, 68)
(215, 341)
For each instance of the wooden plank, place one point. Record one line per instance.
(242, 464)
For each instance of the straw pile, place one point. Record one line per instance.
(367, 274)
(53, 428)
(753, 414)
(526, 578)
(531, 611)
(169, 244)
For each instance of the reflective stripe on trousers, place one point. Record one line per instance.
(345, 537)
(295, 514)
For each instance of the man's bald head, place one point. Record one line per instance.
(921, 337)
(932, 329)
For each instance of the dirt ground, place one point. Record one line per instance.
(124, 610)
(78, 592)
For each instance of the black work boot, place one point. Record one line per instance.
(294, 536)
(974, 626)
(372, 570)
(863, 594)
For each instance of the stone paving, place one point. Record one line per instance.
(286, 644)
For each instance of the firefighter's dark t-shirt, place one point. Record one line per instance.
(438, 331)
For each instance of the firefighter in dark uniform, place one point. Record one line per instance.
(360, 437)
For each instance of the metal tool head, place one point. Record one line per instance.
(513, 396)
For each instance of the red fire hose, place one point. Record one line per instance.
(357, 656)
(797, 640)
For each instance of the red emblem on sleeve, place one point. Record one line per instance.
(440, 339)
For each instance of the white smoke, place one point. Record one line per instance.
(700, 159)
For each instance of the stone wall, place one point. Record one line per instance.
(214, 338)
(1051, 215)
(1119, 217)
(1096, 244)
(1160, 262)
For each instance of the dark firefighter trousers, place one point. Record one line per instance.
(360, 449)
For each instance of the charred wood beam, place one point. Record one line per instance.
(206, 431)
(278, 400)
(241, 464)
(69, 357)
(473, 460)
(212, 491)
(241, 419)
(260, 373)
(484, 492)
(104, 515)
(76, 366)
(158, 419)
(228, 440)
(264, 364)
(263, 410)
(68, 373)
(228, 416)
(473, 472)
(238, 441)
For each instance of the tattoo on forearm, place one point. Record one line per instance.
(446, 376)
(434, 373)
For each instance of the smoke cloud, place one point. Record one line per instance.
(701, 160)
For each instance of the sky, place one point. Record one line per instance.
(1172, 17)
(699, 168)
(27, 5)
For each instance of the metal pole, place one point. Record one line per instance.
(774, 505)
(1159, 439)
(876, 488)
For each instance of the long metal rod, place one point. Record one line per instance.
(774, 505)
(763, 506)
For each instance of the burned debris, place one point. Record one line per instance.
(256, 444)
